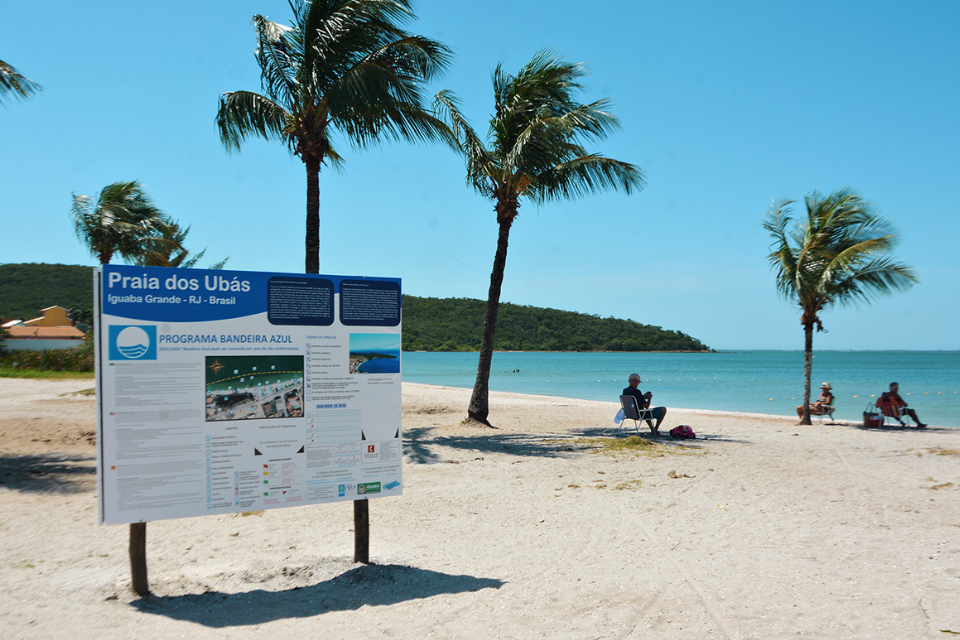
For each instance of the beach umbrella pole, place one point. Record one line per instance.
(361, 532)
(138, 558)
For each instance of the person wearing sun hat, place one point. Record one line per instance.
(821, 406)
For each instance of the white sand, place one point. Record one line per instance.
(760, 530)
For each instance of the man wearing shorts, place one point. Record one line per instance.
(643, 402)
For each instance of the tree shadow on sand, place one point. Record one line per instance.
(372, 585)
(48, 472)
(424, 445)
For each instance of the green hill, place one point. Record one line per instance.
(455, 324)
(429, 324)
(27, 288)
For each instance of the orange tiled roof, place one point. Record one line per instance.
(47, 333)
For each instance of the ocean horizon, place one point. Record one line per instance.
(751, 381)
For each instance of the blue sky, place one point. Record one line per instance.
(374, 342)
(723, 105)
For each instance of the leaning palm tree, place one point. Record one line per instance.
(12, 82)
(345, 67)
(123, 221)
(534, 152)
(167, 249)
(838, 255)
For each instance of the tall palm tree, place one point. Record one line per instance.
(343, 66)
(838, 255)
(534, 152)
(11, 81)
(122, 221)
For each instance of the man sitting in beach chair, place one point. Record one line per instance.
(892, 405)
(823, 406)
(643, 402)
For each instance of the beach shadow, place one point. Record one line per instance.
(421, 446)
(370, 585)
(893, 428)
(48, 473)
(424, 446)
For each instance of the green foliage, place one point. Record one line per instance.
(40, 374)
(456, 324)
(122, 221)
(27, 288)
(170, 251)
(840, 253)
(76, 359)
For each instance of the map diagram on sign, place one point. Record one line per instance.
(254, 387)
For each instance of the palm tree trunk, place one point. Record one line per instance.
(479, 402)
(313, 215)
(807, 370)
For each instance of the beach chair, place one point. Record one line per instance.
(889, 410)
(632, 412)
(826, 411)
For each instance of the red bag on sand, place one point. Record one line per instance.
(683, 432)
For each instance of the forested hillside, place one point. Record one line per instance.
(455, 324)
(429, 324)
(27, 288)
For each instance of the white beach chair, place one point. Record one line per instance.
(825, 412)
(632, 412)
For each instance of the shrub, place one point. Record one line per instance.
(77, 359)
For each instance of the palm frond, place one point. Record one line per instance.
(243, 114)
(12, 82)
(482, 166)
(585, 175)
(277, 55)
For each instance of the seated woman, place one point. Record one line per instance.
(822, 407)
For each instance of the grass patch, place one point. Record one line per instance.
(244, 514)
(940, 451)
(630, 485)
(941, 486)
(632, 445)
(91, 392)
(20, 372)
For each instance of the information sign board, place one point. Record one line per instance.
(227, 391)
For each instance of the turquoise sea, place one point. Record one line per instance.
(768, 382)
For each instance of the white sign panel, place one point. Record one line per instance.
(227, 391)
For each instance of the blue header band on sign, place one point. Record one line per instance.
(161, 294)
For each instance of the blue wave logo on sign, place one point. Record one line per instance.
(133, 342)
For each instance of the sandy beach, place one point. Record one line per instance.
(533, 529)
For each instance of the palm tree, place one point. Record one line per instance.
(534, 152)
(838, 255)
(167, 250)
(12, 82)
(343, 66)
(122, 221)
